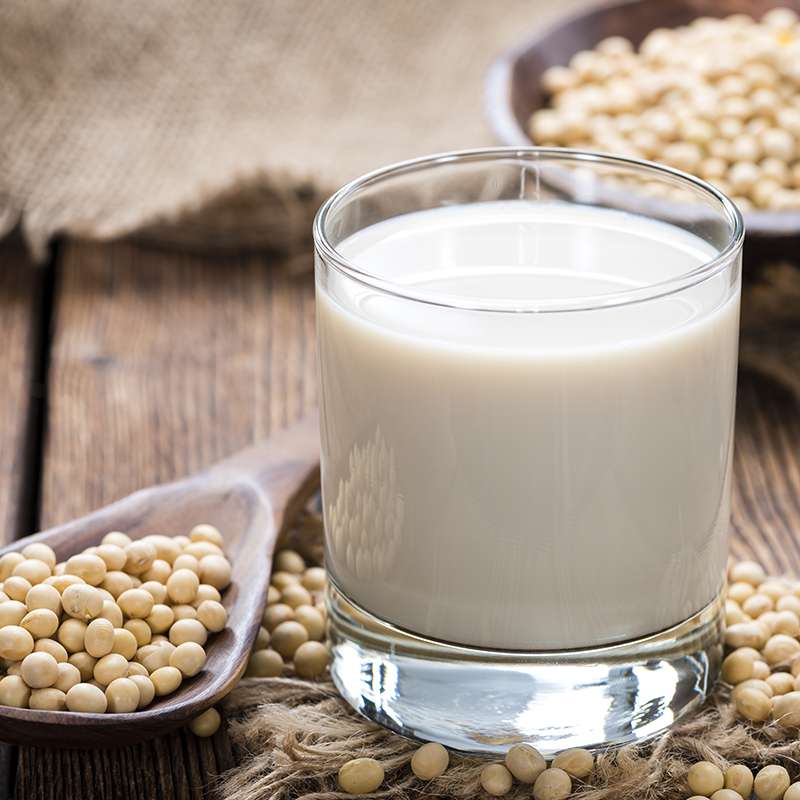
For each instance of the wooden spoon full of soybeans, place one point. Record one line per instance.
(248, 497)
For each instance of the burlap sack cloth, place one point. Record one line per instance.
(224, 124)
(294, 735)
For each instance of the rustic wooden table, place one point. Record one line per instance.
(125, 366)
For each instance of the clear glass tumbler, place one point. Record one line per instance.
(528, 375)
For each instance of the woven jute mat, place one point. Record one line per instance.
(223, 125)
(294, 735)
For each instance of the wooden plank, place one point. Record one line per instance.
(161, 364)
(164, 363)
(21, 286)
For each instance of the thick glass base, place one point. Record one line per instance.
(484, 701)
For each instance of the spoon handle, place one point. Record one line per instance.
(285, 468)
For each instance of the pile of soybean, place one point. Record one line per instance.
(111, 627)
(293, 627)
(523, 763)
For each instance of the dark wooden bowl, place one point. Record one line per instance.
(514, 91)
(247, 497)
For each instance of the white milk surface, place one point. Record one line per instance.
(526, 480)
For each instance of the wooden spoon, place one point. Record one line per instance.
(248, 497)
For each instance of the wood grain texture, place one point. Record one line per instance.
(161, 364)
(20, 295)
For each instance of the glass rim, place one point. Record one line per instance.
(640, 294)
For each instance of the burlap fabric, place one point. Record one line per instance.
(223, 125)
(294, 735)
(299, 733)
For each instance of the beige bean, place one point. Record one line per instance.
(158, 590)
(289, 561)
(41, 623)
(786, 709)
(185, 561)
(748, 571)
(116, 582)
(117, 538)
(12, 612)
(81, 601)
(264, 664)
(39, 670)
(280, 579)
(136, 603)
(33, 570)
(109, 668)
(215, 570)
(189, 658)
(14, 692)
(15, 643)
(90, 567)
(160, 618)
(737, 667)
(311, 659)
(739, 778)
(122, 696)
(206, 533)
(746, 634)
(262, 639)
(182, 586)
(780, 649)
(525, 763)
(140, 630)
(53, 647)
(159, 572)
(753, 705)
(68, 676)
(7, 564)
(87, 698)
(187, 630)
(276, 614)
(287, 637)
(50, 699)
(16, 587)
(146, 689)
(84, 663)
(705, 778)
(166, 680)
(771, 782)
(757, 604)
(314, 579)
(361, 776)
(206, 592)
(430, 761)
(552, 784)
(111, 611)
(577, 762)
(99, 638)
(41, 552)
(139, 557)
(43, 596)
(780, 682)
(206, 724)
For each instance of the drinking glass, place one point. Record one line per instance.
(527, 371)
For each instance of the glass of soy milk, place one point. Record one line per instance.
(528, 374)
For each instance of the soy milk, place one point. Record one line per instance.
(524, 478)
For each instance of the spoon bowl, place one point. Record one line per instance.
(248, 497)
